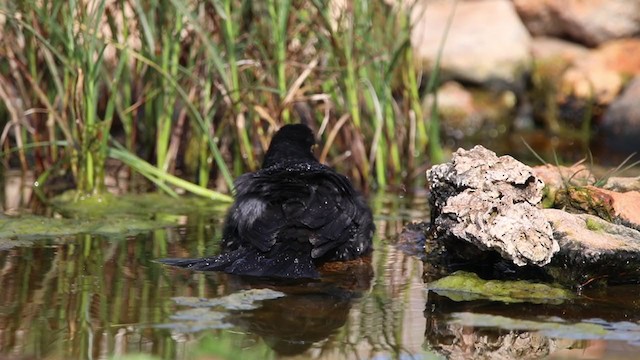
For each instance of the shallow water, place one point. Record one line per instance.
(96, 297)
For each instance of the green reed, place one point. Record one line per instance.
(178, 88)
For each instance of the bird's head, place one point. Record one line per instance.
(290, 143)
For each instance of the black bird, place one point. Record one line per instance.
(290, 216)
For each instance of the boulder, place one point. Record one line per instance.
(622, 184)
(457, 108)
(538, 17)
(490, 202)
(600, 74)
(545, 49)
(592, 22)
(475, 50)
(620, 125)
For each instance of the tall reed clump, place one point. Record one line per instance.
(188, 93)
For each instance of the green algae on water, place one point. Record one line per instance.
(22, 230)
(465, 286)
(106, 214)
(145, 205)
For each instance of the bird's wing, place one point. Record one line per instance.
(253, 219)
(331, 213)
(315, 199)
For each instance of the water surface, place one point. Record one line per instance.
(95, 296)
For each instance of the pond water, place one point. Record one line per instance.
(99, 296)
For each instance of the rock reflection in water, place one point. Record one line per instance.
(594, 326)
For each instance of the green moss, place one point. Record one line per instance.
(464, 286)
(548, 197)
(16, 230)
(593, 225)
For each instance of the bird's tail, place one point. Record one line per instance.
(279, 263)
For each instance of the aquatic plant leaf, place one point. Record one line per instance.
(465, 286)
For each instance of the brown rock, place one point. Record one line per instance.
(621, 56)
(476, 49)
(557, 177)
(625, 205)
(599, 75)
(592, 22)
(457, 108)
(551, 49)
(590, 80)
(538, 17)
(454, 98)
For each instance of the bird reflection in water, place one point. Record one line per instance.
(311, 311)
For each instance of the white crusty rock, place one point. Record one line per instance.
(491, 202)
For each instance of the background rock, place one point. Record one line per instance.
(539, 17)
(590, 22)
(600, 74)
(475, 50)
(551, 49)
(620, 125)
(623, 184)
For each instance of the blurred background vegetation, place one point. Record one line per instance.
(178, 90)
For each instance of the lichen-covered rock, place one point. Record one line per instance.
(490, 202)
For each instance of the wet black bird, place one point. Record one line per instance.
(290, 216)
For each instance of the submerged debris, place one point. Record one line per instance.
(490, 202)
